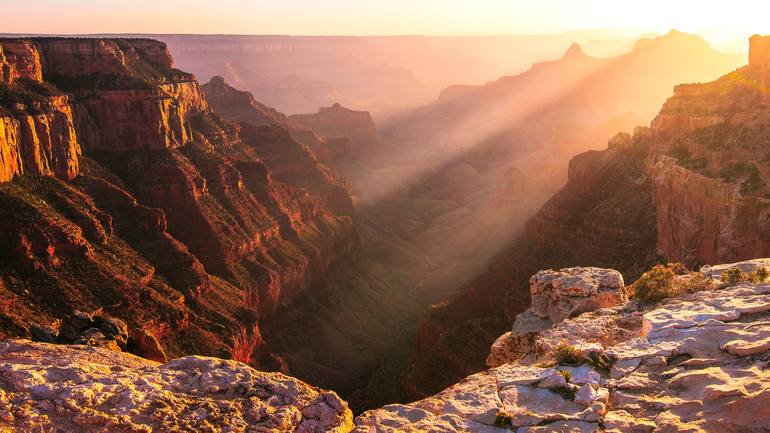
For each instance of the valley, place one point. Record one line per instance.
(375, 241)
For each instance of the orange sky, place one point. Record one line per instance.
(726, 23)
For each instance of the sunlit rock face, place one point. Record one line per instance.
(166, 218)
(117, 84)
(694, 363)
(239, 106)
(37, 133)
(689, 188)
(707, 147)
(97, 390)
(556, 296)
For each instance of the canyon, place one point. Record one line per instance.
(145, 214)
(153, 209)
(688, 188)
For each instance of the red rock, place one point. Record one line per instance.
(339, 122)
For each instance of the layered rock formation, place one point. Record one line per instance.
(168, 221)
(97, 390)
(686, 189)
(239, 106)
(338, 122)
(289, 150)
(695, 363)
(37, 133)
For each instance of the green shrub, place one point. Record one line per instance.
(655, 284)
(733, 276)
(502, 420)
(567, 354)
(599, 361)
(567, 375)
(759, 275)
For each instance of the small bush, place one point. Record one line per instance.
(759, 275)
(502, 420)
(695, 282)
(567, 354)
(733, 276)
(599, 361)
(567, 375)
(655, 284)
(678, 268)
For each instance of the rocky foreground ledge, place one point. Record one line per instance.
(584, 358)
(697, 362)
(50, 388)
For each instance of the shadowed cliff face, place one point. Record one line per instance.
(690, 188)
(169, 220)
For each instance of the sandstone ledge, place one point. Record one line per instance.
(53, 388)
(696, 363)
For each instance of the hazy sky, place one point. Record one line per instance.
(721, 21)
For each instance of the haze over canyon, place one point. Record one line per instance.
(232, 233)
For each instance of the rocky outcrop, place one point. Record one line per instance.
(37, 133)
(688, 189)
(38, 138)
(19, 59)
(339, 122)
(709, 190)
(168, 221)
(239, 106)
(116, 84)
(293, 163)
(97, 390)
(282, 145)
(556, 296)
(693, 363)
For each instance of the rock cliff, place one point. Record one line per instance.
(37, 134)
(289, 150)
(171, 218)
(690, 188)
(337, 122)
(695, 363)
(239, 106)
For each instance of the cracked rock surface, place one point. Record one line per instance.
(694, 363)
(50, 388)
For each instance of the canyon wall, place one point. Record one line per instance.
(37, 134)
(691, 188)
(190, 229)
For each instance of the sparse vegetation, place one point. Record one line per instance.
(567, 375)
(502, 420)
(599, 361)
(734, 276)
(747, 173)
(29, 96)
(759, 275)
(567, 354)
(684, 158)
(655, 284)
(667, 281)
